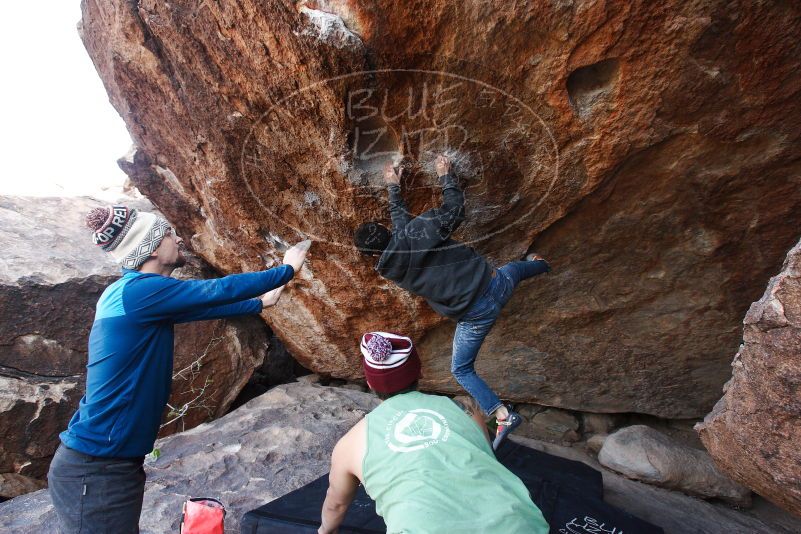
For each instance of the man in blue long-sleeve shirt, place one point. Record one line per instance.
(420, 256)
(96, 478)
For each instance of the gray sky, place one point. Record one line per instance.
(59, 134)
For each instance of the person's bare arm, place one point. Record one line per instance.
(471, 408)
(342, 481)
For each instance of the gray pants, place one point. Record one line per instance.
(94, 495)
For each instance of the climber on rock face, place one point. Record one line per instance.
(96, 478)
(420, 256)
(424, 459)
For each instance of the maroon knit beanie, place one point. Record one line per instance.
(391, 362)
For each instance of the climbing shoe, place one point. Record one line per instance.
(506, 427)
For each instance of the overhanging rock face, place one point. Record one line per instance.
(649, 152)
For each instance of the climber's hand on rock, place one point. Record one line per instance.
(271, 297)
(296, 255)
(390, 176)
(442, 165)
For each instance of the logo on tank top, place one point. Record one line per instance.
(412, 430)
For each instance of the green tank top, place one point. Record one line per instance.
(429, 468)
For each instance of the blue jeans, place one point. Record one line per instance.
(476, 323)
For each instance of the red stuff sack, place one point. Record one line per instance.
(202, 516)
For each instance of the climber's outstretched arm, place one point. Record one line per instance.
(397, 206)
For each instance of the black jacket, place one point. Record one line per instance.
(423, 259)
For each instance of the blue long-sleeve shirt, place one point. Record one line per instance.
(129, 374)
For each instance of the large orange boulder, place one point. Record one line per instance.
(648, 150)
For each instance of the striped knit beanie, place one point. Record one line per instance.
(129, 235)
(390, 361)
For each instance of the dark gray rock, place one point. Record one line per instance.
(13, 485)
(551, 424)
(599, 423)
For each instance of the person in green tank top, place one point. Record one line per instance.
(426, 460)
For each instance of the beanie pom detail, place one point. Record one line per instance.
(379, 348)
(96, 219)
(390, 361)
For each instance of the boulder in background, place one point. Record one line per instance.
(754, 431)
(645, 454)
